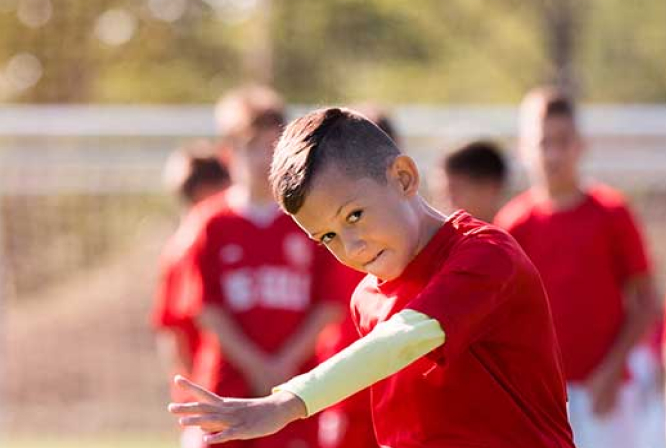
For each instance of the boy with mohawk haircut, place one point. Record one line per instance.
(348, 424)
(458, 342)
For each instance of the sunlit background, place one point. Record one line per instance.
(95, 93)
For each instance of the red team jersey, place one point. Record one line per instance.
(496, 381)
(267, 277)
(585, 255)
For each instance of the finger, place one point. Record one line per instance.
(192, 408)
(215, 422)
(221, 437)
(197, 390)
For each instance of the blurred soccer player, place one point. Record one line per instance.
(192, 174)
(472, 178)
(590, 253)
(262, 288)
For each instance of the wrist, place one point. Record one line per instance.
(291, 406)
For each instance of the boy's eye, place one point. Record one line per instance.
(354, 216)
(327, 238)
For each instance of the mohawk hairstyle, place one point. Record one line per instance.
(327, 136)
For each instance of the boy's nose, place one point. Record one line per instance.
(355, 248)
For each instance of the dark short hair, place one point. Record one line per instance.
(480, 160)
(560, 106)
(327, 136)
(554, 101)
(204, 171)
(243, 112)
(192, 166)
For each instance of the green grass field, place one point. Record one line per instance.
(105, 441)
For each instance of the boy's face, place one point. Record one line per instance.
(253, 158)
(552, 149)
(368, 226)
(480, 198)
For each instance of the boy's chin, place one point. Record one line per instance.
(385, 274)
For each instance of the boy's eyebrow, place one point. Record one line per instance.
(344, 204)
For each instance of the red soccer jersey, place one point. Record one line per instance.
(585, 256)
(496, 381)
(267, 277)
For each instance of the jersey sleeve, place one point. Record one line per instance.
(466, 295)
(196, 275)
(173, 290)
(162, 315)
(629, 254)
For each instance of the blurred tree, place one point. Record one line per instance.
(182, 51)
(562, 22)
(623, 48)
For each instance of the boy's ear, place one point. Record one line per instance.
(404, 173)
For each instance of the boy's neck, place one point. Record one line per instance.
(251, 195)
(242, 198)
(262, 212)
(561, 197)
(431, 222)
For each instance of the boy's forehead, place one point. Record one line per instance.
(332, 187)
(331, 191)
(548, 125)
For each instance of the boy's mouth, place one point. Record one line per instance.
(365, 265)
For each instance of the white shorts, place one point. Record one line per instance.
(645, 370)
(635, 422)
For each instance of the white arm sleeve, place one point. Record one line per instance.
(389, 347)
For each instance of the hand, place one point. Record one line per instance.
(228, 419)
(603, 387)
